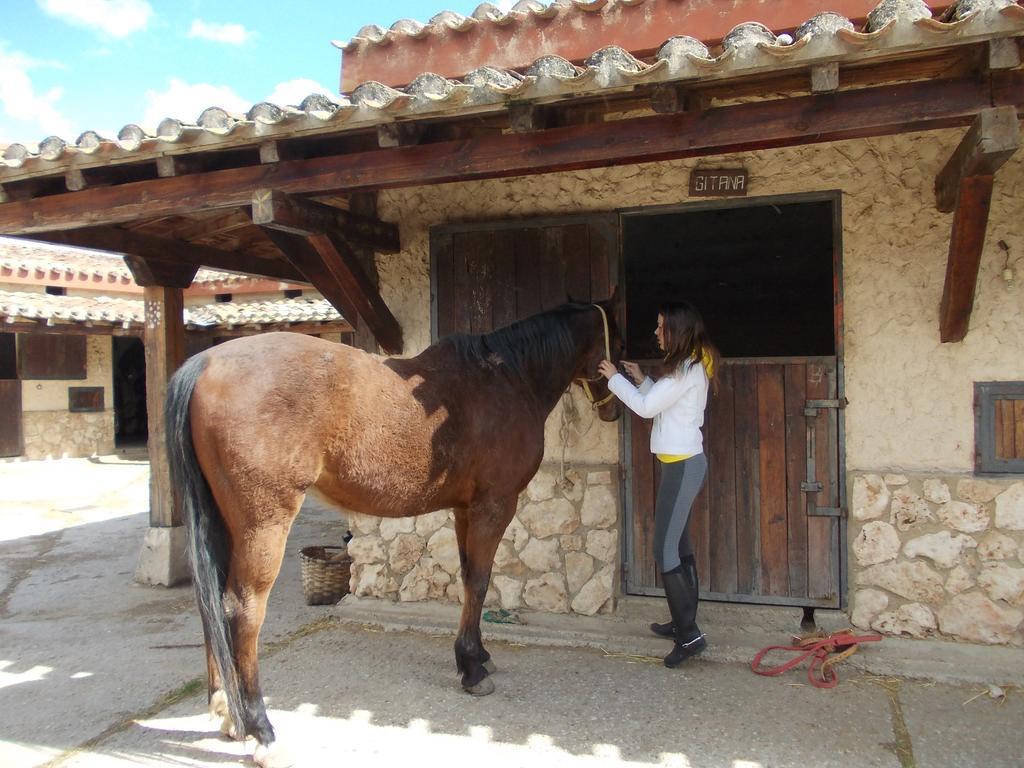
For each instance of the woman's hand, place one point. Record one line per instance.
(633, 369)
(607, 368)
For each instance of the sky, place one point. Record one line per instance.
(67, 66)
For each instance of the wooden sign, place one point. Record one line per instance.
(718, 182)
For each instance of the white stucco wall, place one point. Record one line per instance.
(911, 397)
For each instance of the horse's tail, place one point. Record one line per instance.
(207, 535)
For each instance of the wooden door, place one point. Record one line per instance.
(766, 526)
(10, 418)
(485, 276)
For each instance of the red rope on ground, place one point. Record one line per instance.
(824, 651)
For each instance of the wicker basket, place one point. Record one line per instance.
(325, 575)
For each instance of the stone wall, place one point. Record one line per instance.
(559, 554)
(62, 434)
(938, 555)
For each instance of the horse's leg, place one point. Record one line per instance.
(478, 529)
(255, 562)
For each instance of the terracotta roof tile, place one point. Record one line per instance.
(130, 313)
(40, 259)
(893, 27)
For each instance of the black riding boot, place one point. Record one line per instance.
(681, 590)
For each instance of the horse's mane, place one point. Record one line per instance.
(540, 345)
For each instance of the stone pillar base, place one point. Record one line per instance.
(163, 561)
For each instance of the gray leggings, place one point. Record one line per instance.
(681, 481)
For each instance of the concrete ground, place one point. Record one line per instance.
(96, 671)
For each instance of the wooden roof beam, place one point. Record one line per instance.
(965, 186)
(126, 242)
(286, 213)
(328, 260)
(992, 139)
(789, 121)
(297, 250)
(151, 272)
(344, 265)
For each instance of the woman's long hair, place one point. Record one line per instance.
(685, 338)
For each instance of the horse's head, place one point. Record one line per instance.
(606, 343)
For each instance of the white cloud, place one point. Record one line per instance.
(19, 99)
(186, 101)
(117, 18)
(232, 34)
(294, 91)
(505, 5)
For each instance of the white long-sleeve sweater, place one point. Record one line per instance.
(676, 403)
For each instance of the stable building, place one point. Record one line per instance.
(72, 358)
(837, 186)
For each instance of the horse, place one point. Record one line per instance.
(256, 422)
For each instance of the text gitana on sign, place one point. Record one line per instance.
(718, 182)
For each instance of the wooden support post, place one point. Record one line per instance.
(165, 352)
(344, 266)
(163, 560)
(992, 139)
(965, 245)
(965, 186)
(365, 204)
(304, 258)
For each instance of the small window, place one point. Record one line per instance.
(999, 427)
(222, 298)
(56, 290)
(293, 293)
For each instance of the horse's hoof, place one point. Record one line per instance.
(489, 667)
(219, 709)
(484, 688)
(274, 756)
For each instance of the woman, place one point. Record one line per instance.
(676, 402)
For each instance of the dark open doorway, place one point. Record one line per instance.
(130, 415)
(760, 274)
(767, 525)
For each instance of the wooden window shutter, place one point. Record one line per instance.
(51, 356)
(999, 427)
(8, 356)
(485, 276)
